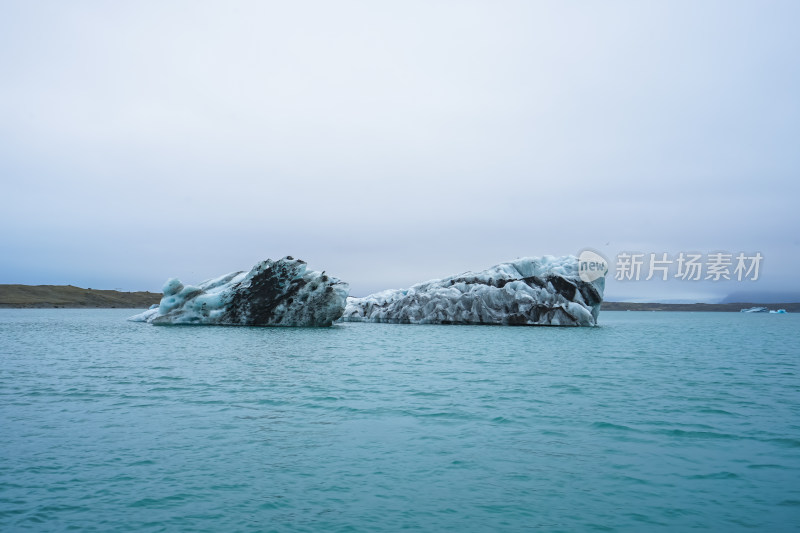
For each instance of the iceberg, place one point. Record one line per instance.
(545, 291)
(273, 293)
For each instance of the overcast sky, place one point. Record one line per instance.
(392, 142)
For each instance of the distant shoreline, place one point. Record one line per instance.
(716, 308)
(70, 297)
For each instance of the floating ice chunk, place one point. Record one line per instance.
(529, 291)
(273, 293)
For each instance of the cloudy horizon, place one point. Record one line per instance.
(394, 143)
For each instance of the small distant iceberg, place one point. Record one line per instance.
(755, 310)
(272, 293)
(547, 291)
(778, 312)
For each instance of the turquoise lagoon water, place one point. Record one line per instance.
(653, 421)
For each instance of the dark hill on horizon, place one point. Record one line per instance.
(50, 296)
(762, 296)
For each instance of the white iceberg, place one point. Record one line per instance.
(273, 293)
(545, 291)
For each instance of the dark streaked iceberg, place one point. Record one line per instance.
(273, 293)
(544, 291)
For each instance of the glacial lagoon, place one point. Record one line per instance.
(651, 421)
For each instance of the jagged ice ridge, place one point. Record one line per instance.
(529, 291)
(273, 293)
